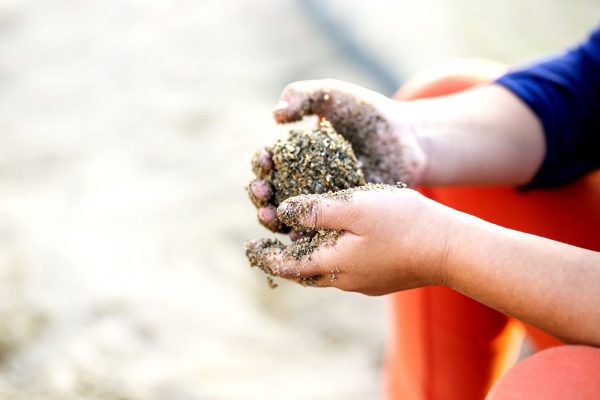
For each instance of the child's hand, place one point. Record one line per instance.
(394, 239)
(376, 126)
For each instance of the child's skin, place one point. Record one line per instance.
(398, 239)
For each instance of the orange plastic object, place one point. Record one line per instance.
(565, 372)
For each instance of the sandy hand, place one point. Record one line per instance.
(375, 125)
(375, 239)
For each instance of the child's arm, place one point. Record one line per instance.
(481, 136)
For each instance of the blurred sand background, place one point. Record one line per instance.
(126, 130)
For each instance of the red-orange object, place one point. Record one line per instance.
(444, 345)
(565, 372)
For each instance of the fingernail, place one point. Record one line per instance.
(266, 161)
(261, 190)
(262, 163)
(291, 211)
(281, 106)
(268, 214)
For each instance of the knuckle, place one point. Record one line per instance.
(316, 215)
(350, 218)
(352, 213)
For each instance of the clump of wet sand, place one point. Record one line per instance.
(313, 161)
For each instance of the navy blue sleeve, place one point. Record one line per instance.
(564, 92)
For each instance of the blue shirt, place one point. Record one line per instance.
(564, 92)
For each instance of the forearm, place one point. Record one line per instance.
(548, 284)
(481, 136)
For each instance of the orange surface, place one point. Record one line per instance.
(565, 372)
(442, 344)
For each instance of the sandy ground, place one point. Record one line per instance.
(126, 129)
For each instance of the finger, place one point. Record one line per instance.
(299, 100)
(329, 261)
(262, 163)
(260, 192)
(314, 211)
(262, 253)
(334, 261)
(274, 258)
(267, 216)
(327, 98)
(321, 268)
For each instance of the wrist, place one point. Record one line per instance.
(470, 240)
(467, 139)
(425, 125)
(431, 241)
(459, 234)
(416, 147)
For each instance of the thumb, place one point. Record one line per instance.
(312, 211)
